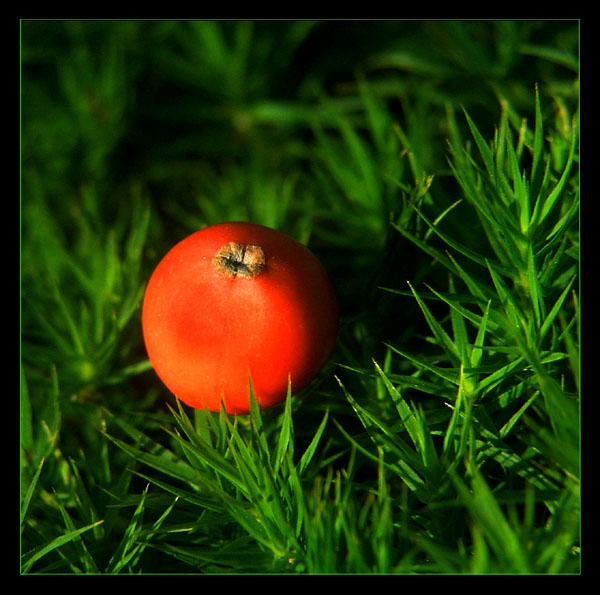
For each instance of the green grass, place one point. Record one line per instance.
(433, 167)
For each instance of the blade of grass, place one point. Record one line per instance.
(285, 444)
(544, 206)
(440, 334)
(311, 449)
(30, 490)
(481, 503)
(38, 553)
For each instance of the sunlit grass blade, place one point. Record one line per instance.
(33, 556)
(201, 454)
(461, 249)
(285, 443)
(129, 546)
(426, 247)
(407, 417)
(311, 449)
(502, 539)
(165, 462)
(543, 207)
(406, 457)
(482, 146)
(30, 490)
(458, 436)
(418, 465)
(25, 418)
(515, 322)
(257, 423)
(441, 335)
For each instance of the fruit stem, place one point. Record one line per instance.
(239, 260)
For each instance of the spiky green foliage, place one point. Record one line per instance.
(433, 166)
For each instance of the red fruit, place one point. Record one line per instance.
(233, 301)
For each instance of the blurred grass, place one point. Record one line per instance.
(443, 437)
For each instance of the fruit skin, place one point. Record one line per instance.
(207, 332)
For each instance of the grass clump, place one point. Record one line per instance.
(433, 166)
